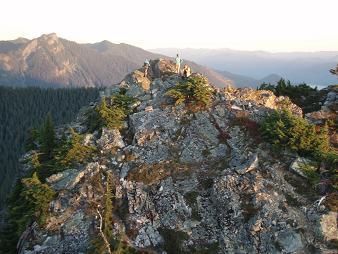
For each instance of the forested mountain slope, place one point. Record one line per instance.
(24, 108)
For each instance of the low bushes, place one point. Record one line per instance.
(285, 130)
(73, 151)
(195, 91)
(110, 113)
(29, 201)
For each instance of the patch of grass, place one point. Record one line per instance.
(185, 121)
(191, 197)
(333, 244)
(249, 211)
(251, 127)
(277, 246)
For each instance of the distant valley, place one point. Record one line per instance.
(50, 61)
(309, 67)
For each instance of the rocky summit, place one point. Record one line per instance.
(186, 181)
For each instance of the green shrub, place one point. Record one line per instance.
(37, 195)
(195, 91)
(110, 113)
(284, 130)
(29, 201)
(74, 151)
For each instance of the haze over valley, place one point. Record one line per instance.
(298, 67)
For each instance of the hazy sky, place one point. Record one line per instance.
(273, 25)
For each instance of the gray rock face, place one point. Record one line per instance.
(69, 178)
(290, 241)
(110, 139)
(183, 181)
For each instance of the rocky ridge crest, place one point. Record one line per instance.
(187, 182)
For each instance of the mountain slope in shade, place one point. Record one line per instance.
(53, 61)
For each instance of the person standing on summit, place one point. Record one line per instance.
(146, 67)
(178, 62)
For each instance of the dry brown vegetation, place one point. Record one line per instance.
(151, 173)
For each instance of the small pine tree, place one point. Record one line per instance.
(195, 91)
(110, 113)
(285, 130)
(31, 140)
(37, 195)
(108, 208)
(35, 161)
(74, 151)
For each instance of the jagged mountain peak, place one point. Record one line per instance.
(51, 36)
(183, 181)
(52, 61)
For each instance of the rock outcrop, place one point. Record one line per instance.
(188, 182)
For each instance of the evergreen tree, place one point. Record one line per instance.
(110, 113)
(47, 138)
(285, 130)
(108, 208)
(29, 201)
(30, 143)
(37, 196)
(22, 109)
(73, 151)
(195, 91)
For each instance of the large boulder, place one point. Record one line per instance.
(161, 68)
(137, 78)
(300, 165)
(329, 228)
(69, 178)
(247, 98)
(290, 241)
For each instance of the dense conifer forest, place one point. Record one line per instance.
(24, 108)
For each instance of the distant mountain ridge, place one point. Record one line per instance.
(310, 67)
(245, 81)
(50, 61)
